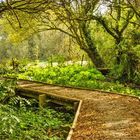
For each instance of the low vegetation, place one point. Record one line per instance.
(22, 119)
(76, 76)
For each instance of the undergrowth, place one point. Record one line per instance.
(22, 119)
(76, 76)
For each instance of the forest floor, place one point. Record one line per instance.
(103, 116)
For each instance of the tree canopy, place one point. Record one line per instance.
(78, 18)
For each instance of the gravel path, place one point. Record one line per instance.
(103, 116)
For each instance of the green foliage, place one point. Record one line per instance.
(22, 119)
(100, 36)
(63, 75)
(4, 70)
(33, 124)
(76, 76)
(7, 89)
(128, 69)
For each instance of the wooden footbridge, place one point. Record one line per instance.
(98, 115)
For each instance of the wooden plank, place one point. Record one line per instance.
(75, 121)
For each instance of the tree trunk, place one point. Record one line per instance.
(90, 48)
(95, 57)
(118, 47)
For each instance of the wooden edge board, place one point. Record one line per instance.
(74, 121)
(51, 95)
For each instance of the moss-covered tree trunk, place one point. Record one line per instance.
(90, 48)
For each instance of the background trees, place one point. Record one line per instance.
(97, 26)
(119, 22)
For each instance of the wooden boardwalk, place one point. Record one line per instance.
(102, 116)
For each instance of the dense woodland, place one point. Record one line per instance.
(107, 32)
(81, 43)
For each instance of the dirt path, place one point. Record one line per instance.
(103, 116)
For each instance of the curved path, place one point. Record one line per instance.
(103, 116)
